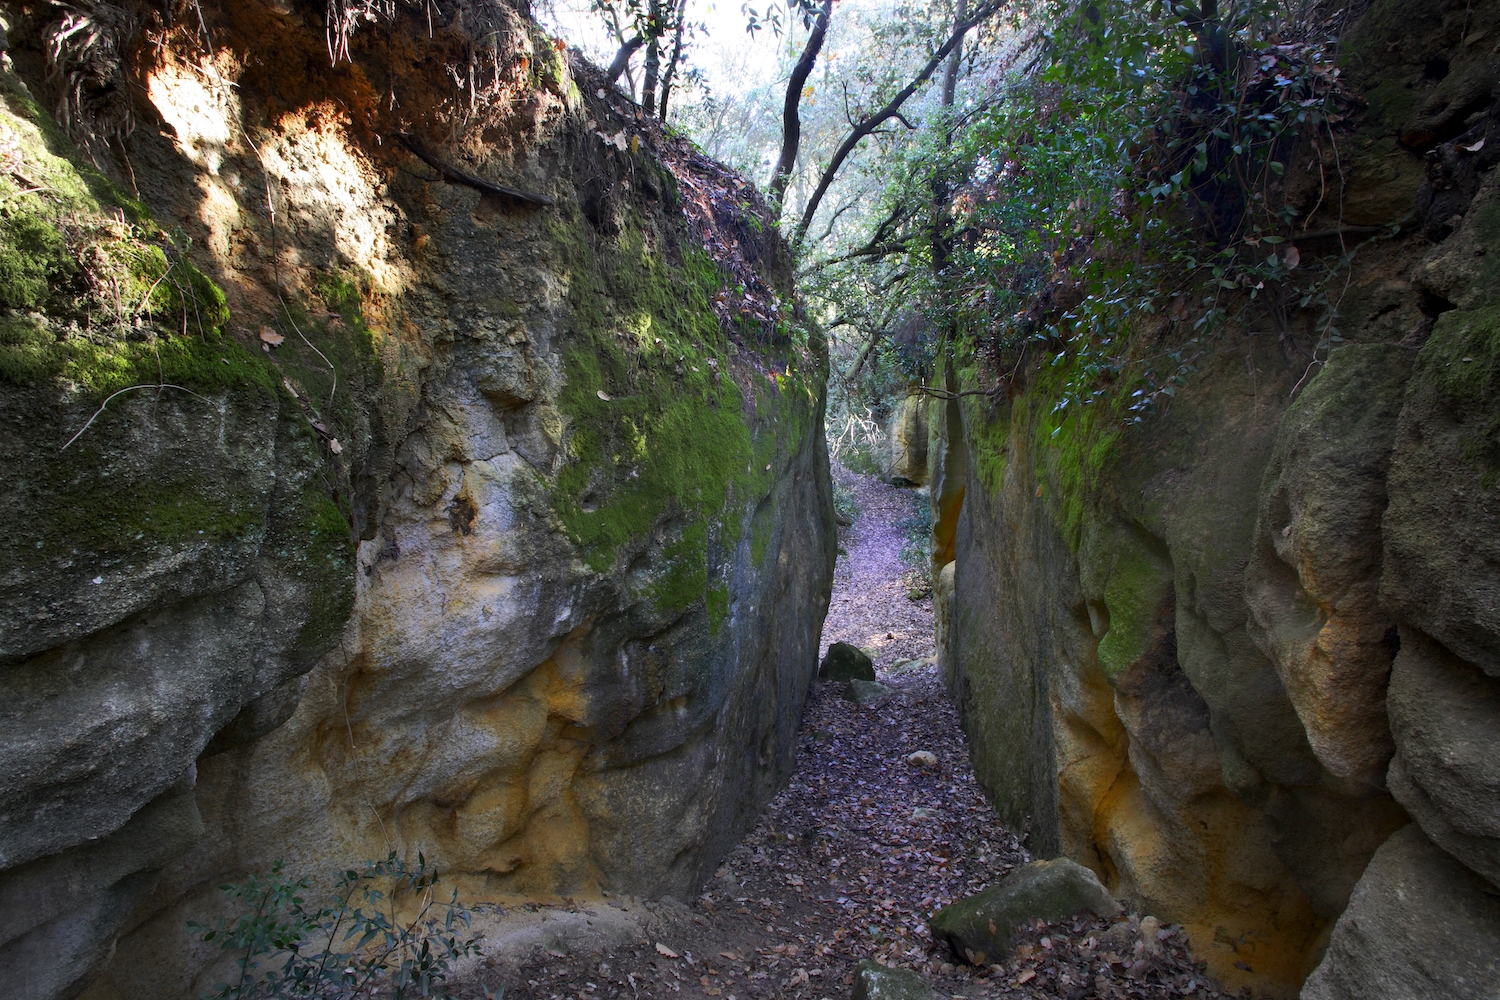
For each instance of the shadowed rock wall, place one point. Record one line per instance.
(1240, 661)
(504, 533)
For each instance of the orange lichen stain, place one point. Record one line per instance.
(945, 527)
(1209, 867)
(516, 827)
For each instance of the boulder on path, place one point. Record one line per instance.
(844, 662)
(865, 693)
(982, 928)
(873, 981)
(1420, 926)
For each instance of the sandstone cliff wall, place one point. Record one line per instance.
(1241, 660)
(493, 527)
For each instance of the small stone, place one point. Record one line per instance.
(873, 981)
(1149, 927)
(844, 662)
(922, 758)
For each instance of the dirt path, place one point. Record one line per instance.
(870, 606)
(853, 857)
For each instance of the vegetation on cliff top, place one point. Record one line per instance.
(99, 308)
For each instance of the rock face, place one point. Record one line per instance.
(508, 550)
(1222, 658)
(907, 436)
(1420, 925)
(982, 928)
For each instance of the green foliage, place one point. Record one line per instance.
(916, 543)
(845, 503)
(1105, 210)
(365, 942)
(1133, 185)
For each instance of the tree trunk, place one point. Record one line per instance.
(940, 187)
(791, 119)
(622, 59)
(950, 75)
(653, 57)
(614, 16)
(672, 63)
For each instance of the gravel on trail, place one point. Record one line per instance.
(870, 837)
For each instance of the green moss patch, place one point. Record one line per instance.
(31, 351)
(1462, 361)
(1136, 584)
(659, 432)
(34, 259)
(205, 452)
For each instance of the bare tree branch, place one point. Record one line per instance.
(834, 218)
(622, 57)
(878, 118)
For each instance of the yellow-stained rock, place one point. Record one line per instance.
(907, 440)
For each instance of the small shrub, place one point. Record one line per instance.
(916, 546)
(845, 503)
(355, 947)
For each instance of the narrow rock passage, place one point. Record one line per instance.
(866, 842)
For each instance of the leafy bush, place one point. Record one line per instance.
(355, 946)
(1119, 192)
(1136, 180)
(845, 504)
(916, 545)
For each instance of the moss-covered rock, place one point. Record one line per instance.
(844, 662)
(867, 693)
(982, 928)
(583, 494)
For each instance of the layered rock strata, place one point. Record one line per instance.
(495, 526)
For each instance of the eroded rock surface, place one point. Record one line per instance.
(1419, 926)
(1222, 657)
(504, 535)
(982, 928)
